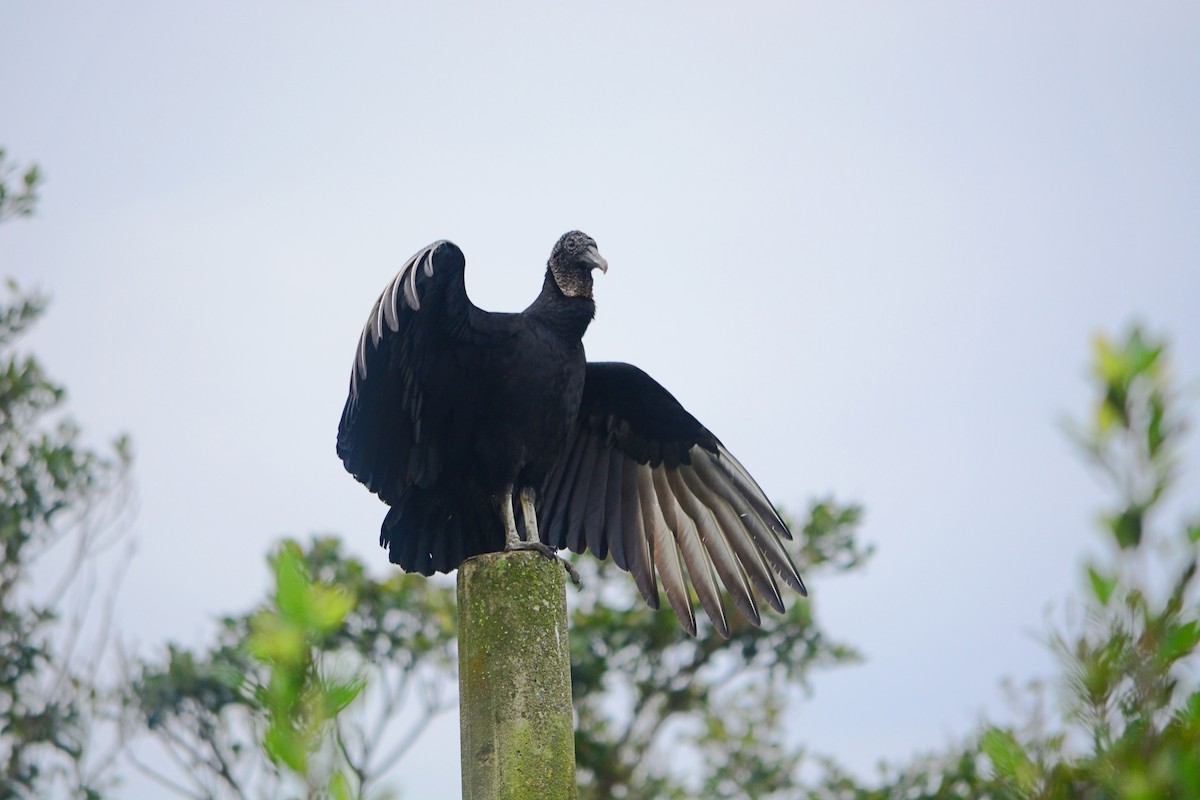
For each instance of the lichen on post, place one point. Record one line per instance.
(514, 671)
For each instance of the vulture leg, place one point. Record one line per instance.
(533, 540)
(511, 540)
(531, 529)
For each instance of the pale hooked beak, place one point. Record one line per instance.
(592, 256)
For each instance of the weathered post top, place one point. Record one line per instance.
(514, 673)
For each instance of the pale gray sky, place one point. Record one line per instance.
(866, 244)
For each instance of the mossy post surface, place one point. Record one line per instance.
(514, 675)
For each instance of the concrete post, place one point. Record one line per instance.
(514, 676)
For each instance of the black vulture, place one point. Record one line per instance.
(454, 413)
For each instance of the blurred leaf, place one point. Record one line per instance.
(1102, 585)
(1189, 714)
(276, 640)
(340, 695)
(292, 584)
(1126, 527)
(1141, 356)
(1181, 640)
(1111, 411)
(1009, 759)
(286, 746)
(327, 607)
(339, 787)
(1157, 430)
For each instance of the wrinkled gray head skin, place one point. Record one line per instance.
(571, 263)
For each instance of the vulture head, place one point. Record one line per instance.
(571, 263)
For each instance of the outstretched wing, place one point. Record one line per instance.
(641, 478)
(389, 438)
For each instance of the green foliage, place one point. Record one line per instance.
(1130, 726)
(53, 494)
(18, 190)
(1010, 761)
(636, 675)
(638, 679)
(287, 637)
(318, 682)
(1131, 671)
